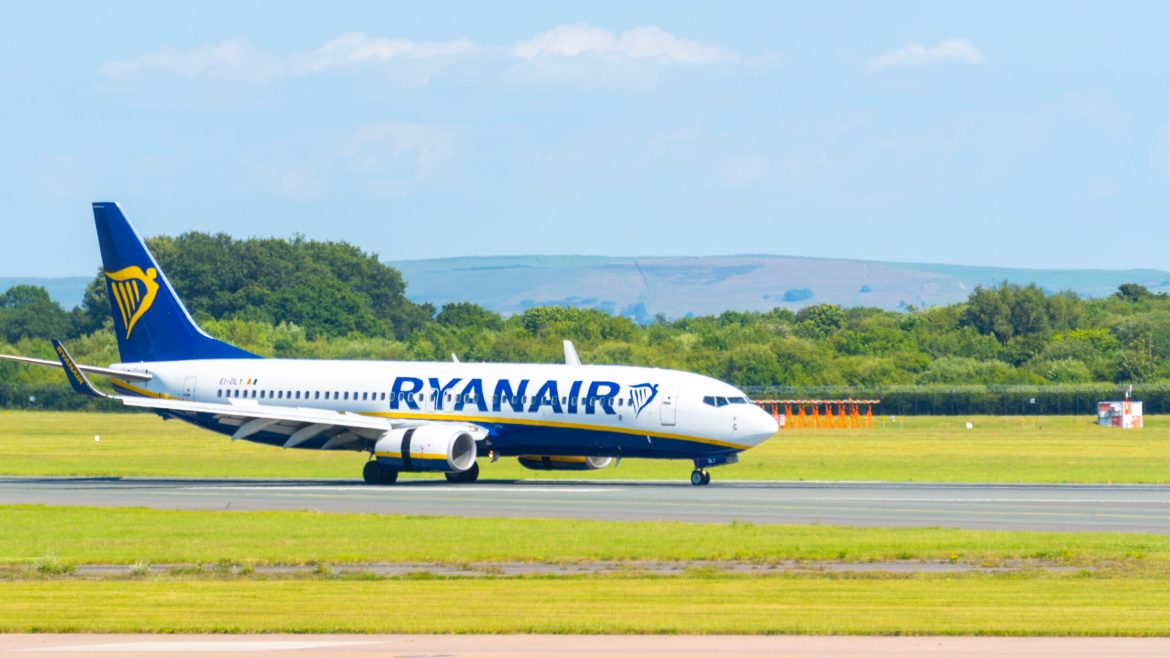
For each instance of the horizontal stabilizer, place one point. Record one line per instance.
(92, 370)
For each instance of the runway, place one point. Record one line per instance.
(1121, 508)
(591, 646)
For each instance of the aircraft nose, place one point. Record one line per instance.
(761, 426)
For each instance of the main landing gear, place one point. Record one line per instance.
(466, 477)
(700, 478)
(375, 473)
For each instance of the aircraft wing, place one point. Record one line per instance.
(343, 429)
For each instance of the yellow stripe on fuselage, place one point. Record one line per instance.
(413, 455)
(140, 391)
(554, 423)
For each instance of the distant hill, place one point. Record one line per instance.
(66, 291)
(708, 285)
(642, 287)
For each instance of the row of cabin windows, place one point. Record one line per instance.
(266, 394)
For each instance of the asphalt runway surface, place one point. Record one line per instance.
(587, 646)
(1123, 508)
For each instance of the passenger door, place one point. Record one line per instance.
(189, 388)
(668, 411)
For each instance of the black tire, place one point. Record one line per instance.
(697, 478)
(375, 473)
(372, 472)
(466, 477)
(706, 478)
(389, 476)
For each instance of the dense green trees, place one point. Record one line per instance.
(330, 300)
(28, 312)
(327, 288)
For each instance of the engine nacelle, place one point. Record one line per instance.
(547, 463)
(430, 448)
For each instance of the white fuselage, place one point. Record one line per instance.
(526, 408)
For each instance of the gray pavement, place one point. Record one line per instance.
(1123, 508)
(595, 646)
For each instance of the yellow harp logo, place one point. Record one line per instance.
(133, 292)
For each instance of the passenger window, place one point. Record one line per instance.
(383, 396)
(219, 393)
(346, 395)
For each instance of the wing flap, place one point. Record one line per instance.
(342, 429)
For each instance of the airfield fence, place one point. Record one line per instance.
(978, 400)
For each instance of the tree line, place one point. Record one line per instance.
(304, 298)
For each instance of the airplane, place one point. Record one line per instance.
(407, 416)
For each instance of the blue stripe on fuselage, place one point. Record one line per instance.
(509, 440)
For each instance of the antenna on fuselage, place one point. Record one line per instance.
(571, 358)
(454, 359)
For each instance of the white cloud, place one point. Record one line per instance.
(393, 157)
(915, 54)
(639, 43)
(240, 59)
(235, 59)
(356, 48)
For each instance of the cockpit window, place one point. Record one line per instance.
(718, 401)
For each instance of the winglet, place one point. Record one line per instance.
(77, 379)
(571, 358)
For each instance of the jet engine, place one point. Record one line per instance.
(547, 463)
(435, 448)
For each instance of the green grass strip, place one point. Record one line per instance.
(1045, 605)
(80, 535)
(938, 449)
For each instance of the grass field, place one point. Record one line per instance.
(1003, 605)
(1059, 583)
(82, 535)
(938, 449)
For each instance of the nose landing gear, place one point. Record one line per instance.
(700, 477)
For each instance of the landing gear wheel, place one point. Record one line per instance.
(371, 472)
(389, 476)
(699, 478)
(465, 477)
(706, 478)
(375, 473)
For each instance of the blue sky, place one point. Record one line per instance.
(990, 133)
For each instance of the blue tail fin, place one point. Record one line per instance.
(150, 321)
